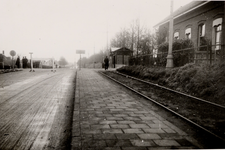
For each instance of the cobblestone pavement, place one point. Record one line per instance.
(34, 108)
(106, 117)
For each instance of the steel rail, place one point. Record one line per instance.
(177, 114)
(171, 90)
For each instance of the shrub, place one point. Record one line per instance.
(200, 80)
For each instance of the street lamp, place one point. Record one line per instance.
(31, 62)
(169, 57)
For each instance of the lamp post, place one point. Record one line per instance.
(31, 62)
(169, 57)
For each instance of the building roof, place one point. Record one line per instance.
(113, 49)
(183, 10)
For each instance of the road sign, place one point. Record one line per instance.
(12, 53)
(80, 51)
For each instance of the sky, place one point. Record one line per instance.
(57, 28)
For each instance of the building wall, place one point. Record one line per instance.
(206, 13)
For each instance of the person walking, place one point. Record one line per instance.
(106, 61)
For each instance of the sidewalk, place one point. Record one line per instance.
(106, 117)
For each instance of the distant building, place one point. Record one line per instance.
(5, 62)
(200, 21)
(120, 56)
(44, 63)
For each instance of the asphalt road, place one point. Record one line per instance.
(36, 109)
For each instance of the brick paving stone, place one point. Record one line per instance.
(157, 125)
(139, 126)
(154, 131)
(149, 136)
(131, 109)
(125, 122)
(143, 122)
(136, 115)
(104, 115)
(124, 143)
(120, 115)
(133, 131)
(104, 126)
(105, 136)
(127, 136)
(91, 131)
(112, 131)
(142, 143)
(114, 118)
(131, 118)
(94, 143)
(148, 118)
(120, 126)
(107, 118)
(141, 112)
(166, 143)
(108, 122)
(116, 109)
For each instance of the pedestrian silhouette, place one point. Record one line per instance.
(106, 61)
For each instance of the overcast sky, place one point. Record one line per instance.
(54, 28)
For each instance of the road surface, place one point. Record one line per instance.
(36, 109)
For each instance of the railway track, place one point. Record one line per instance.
(207, 116)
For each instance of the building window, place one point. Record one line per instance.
(217, 25)
(176, 35)
(201, 29)
(201, 37)
(188, 33)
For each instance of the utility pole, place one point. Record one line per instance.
(138, 36)
(169, 57)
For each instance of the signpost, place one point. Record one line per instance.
(80, 52)
(12, 53)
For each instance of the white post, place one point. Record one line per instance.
(80, 62)
(13, 63)
(31, 62)
(53, 66)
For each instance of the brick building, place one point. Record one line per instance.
(200, 21)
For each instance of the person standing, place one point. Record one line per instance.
(106, 61)
(23, 62)
(18, 62)
(26, 61)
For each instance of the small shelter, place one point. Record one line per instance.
(120, 56)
